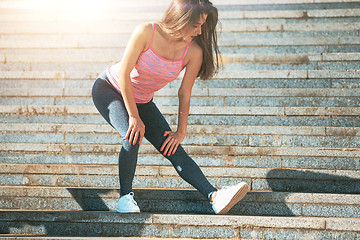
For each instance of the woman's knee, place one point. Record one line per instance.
(127, 146)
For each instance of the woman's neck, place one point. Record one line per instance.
(177, 42)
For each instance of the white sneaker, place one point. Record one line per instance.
(127, 204)
(227, 197)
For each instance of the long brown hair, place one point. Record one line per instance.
(183, 12)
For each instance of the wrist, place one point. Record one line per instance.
(134, 116)
(181, 132)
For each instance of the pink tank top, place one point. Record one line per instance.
(150, 73)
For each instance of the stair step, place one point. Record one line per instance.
(259, 121)
(260, 161)
(244, 74)
(180, 201)
(289, 14)
(81, 128)
(266, 97)
(216, 139)
(215, 120)
(270, 42)
(12, 41)
(197, 92)
(260, 84)
(36, 237)
(195, 110)
(55, 27)
(78, 223)
(259, 179)
(301, 64)
(207, 101)
(20, 15)
(48, 57)
(62, 148)
(131, 18)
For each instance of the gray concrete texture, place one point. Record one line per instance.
(282, 115)
(168, 225)
(180, 201)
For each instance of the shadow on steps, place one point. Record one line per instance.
(280, 182)
(55, 223)
(286, 180)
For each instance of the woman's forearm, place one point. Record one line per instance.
(128, 95)
(136, 130)
(184, 108)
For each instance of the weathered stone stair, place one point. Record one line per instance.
(283, 115)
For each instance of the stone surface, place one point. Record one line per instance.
(282, 115)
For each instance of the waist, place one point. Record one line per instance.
(141, 93)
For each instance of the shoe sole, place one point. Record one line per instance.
(128, 212)
(235, 199)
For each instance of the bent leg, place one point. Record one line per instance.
(155, 126)
(111, 106)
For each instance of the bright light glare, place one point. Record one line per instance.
(84, 10)
(53, 4)
(63, 9)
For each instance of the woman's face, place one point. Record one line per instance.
(192, 30)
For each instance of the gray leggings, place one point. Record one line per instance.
(110, 104)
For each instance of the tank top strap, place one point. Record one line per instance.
(152, 37)
(187, 46)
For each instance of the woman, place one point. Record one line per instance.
(155, 55)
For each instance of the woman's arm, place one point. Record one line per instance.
(137, 43)
(173, 140)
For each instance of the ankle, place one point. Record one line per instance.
(212, 196)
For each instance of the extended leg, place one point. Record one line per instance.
(155, 126)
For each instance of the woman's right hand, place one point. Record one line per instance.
(136, 130)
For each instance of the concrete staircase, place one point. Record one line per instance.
(283, 115)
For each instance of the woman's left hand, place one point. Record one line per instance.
(172, 142)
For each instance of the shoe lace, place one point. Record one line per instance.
(130, 196)
(224, 187)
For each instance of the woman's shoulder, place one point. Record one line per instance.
(194, 52)
(142, 35)
(144, 29)
(195, 47)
